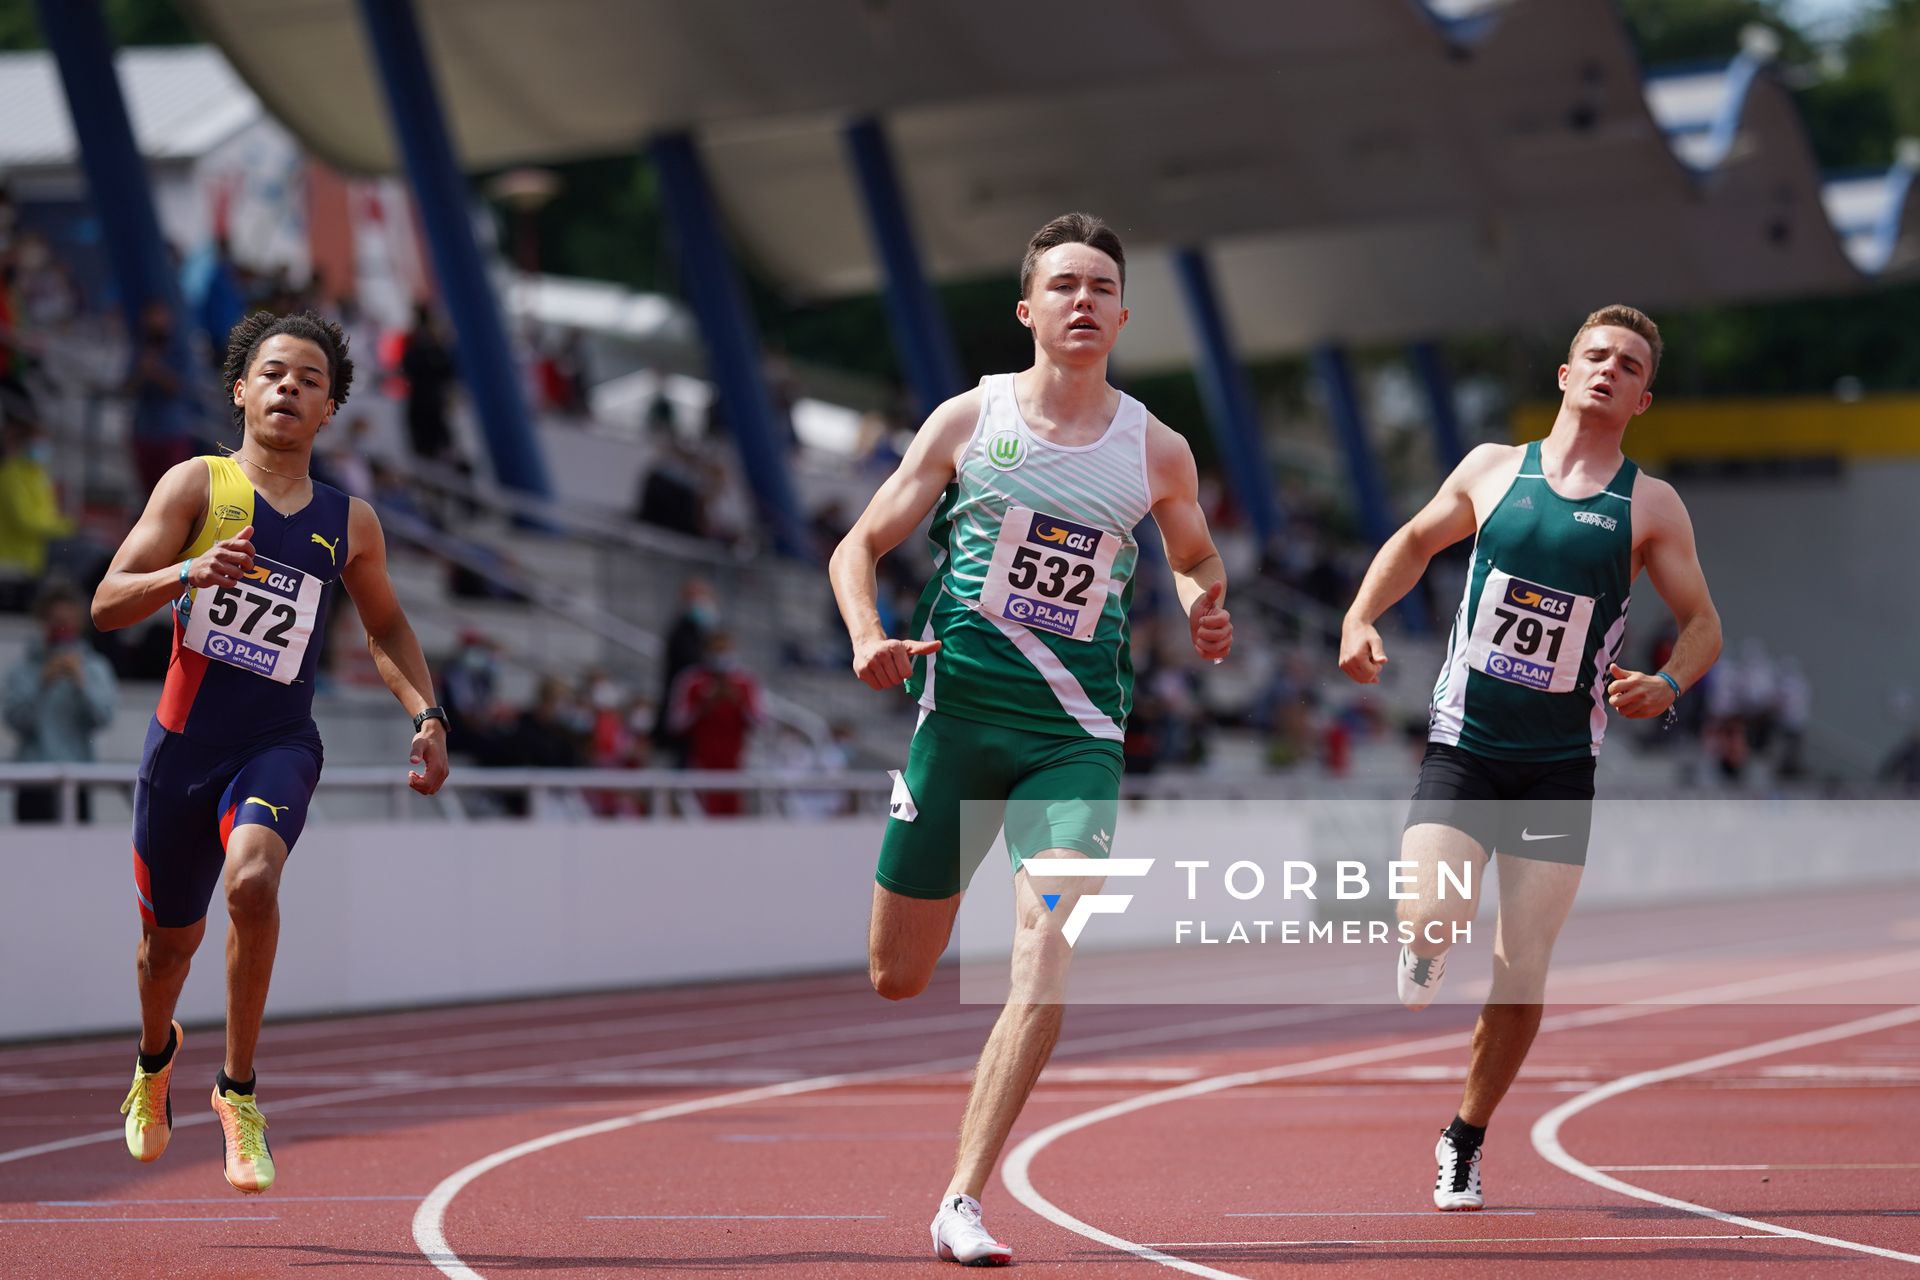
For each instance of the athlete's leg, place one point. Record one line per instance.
(905, 939)
(942, 818)
(255, 856)
(161, 965)
(263, 811)
(1450, 825)
(176, 864)
(1027, 1029)
(1437, 905)
(1535, 898)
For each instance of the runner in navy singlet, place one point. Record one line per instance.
(245, 550)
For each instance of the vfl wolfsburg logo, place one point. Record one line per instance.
(1006, 450)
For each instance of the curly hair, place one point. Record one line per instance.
(243, 344)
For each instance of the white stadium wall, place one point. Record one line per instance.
(398, 914)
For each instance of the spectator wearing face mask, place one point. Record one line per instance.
(714, 706)
(686, 644)
(57, 697)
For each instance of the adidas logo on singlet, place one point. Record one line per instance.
(1525, 503)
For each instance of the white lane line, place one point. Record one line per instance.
(1546, 1130)
(101, 1204)
(1735, 1168)
(734, 1217)
(1016, 1171)
(430, 1219)
(1385, 1213)
(185, 1122)
(1449, 1240)
(95, 1222)
(1121, 1039)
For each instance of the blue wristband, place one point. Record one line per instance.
(1671, 683)
(186, 566)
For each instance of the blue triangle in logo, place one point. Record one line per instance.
(1051, 899)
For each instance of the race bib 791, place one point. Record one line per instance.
(1529, 634)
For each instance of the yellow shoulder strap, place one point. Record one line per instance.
(229, 504)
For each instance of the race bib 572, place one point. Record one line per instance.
(262, 625)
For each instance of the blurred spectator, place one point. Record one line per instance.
(549, 734)
(1901, 769)
(467, 687)
(714, 705)
(57, 697)
(686, 645)
(802, 755)
(394, 497)
(346, 463)
(15, 398)
(1796, 713)
(1759, 695)
(215, 296)
(162, 411)
(673, 492)
(428, 367)
(560, 373)
(30, 516)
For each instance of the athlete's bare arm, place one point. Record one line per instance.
(1198, 574)
(1667, 551)
(145, 573)
(897, 509)
(390, 639)
(1447, 518)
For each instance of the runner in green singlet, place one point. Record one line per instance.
(1562, 527)
(1019, 658)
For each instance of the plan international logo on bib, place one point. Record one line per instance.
(1043, 614)
(241, 652)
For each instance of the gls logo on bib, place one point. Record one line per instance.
(1539, 599)
(1075, 539)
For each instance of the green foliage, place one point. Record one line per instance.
(131, 21)
(1679, 31)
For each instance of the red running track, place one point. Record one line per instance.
(806, 1126)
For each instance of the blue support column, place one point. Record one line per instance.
(1448, 449)
(919, 326)
(440, 193)
(1369, 495)
(76, 31)
(707, 273)
(1230, 411)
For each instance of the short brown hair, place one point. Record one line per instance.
(1632, 319)
(1073, 228)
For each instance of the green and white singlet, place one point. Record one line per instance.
(1543, 615)
(1034, 555)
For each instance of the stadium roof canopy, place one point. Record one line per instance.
(1373, 170)
(181, 102)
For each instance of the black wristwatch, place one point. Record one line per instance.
(431, 713)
